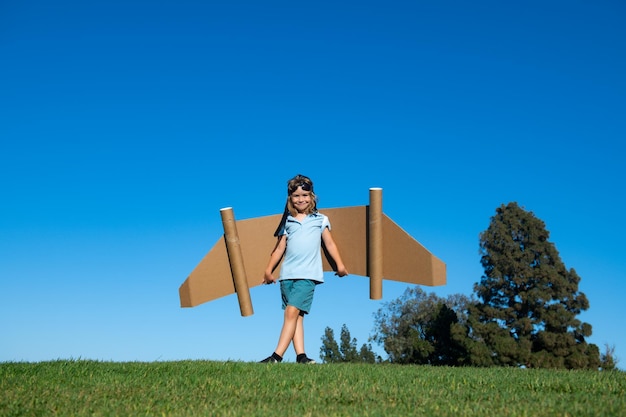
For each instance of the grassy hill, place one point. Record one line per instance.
(203, 388)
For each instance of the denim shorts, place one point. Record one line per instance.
(298, 293)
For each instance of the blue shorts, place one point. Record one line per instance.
(298, 293)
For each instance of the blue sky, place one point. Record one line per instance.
(126, 126)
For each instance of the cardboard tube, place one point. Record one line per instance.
(235, 258)
(375, 243)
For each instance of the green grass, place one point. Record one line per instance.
(202, 388)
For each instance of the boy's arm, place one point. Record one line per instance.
(333, 251)
(275, 257)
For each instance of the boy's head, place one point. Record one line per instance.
(299, 181)
(301, 184)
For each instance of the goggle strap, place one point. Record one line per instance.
(281, 225)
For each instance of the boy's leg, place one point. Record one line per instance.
(298, 342)
(298, 337)
(290, 324)
(303, 298)
(300, 293)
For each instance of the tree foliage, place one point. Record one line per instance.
(523, 311)
(608, 360)
(346, 350)
(329, 352)
(528, 300)
(418, 328)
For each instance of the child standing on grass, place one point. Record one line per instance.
(300, 236)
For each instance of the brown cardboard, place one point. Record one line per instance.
(403, 258)
(212, 278)
(375, 243)
(235, 259)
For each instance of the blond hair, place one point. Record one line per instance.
(307, 185)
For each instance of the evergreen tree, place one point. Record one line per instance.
(329, 352)
(367, 355)
(528, 300)
(347, 346)
(346, 351)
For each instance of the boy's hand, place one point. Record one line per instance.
(341, 271)
(268, 278)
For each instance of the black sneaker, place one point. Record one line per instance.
(270, 359)
(306, 360)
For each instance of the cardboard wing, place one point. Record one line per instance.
(370, 243)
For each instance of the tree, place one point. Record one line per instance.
(528, 300)
(608, 361)
(347, 346)
(346, 351)
(329, 352)
(418, 328)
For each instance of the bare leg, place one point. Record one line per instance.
(298, 337)
(289, 329)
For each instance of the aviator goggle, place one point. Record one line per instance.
(305, 187)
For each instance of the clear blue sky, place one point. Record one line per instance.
(125, 126)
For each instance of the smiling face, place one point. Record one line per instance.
(301, 200)
(301, 197)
